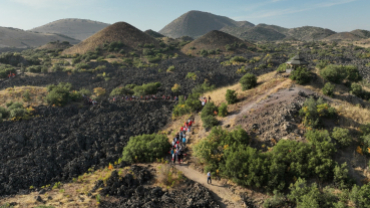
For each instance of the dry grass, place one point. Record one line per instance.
(168, 176)
(37, 95)
(352, 116)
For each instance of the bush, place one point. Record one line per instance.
(171, 69)
(121, 91)
(205, 87)
(4, 112)
(34, 69)
(341, 178)
(208, 115)
(191, 75)
(342, 136)
(222, 110)
(328, 89)
(322, 64)
(356, 89)
(146, 148)
(146, 89)
(26, 96)
(248, 81)
(334, 73)
(176, 88)
(238, 59)
(231, 97)
(300, 75)
(360, 196)
(312, 111)
(281, 68)
(99, 92)
(58, 95)
(16, 111)
(5, 70)
(353, 74)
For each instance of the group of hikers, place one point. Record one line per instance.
(89, 101)
(204, 100)
(179, 142)
(147, 97)
(11, 75)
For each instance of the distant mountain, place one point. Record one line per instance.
(258, 33)
(12, 37)
(343, 36)
(361, 33)
(129, 35)
(76, 28)
(309, 33)
(154, 34)
(197, 23)
(216, 40)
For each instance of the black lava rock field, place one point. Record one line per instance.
(62, 143)
(131, 191)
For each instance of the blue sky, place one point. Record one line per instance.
(338, 15)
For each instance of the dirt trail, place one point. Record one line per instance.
(221, 192)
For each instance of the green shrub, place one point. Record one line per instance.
(58, 95)
(222, 110)
(205, 87)
(82, 66)
(281, 68)
(360, 196)
(191, 75)
(176, 88)
(312, 111)
(328, 89)
(121, 91)
(278, 200)
(356, 89)
(5, 70)
(342, 136)
(171, 69)
(364, 128)
(238, 59)
(146, 89)
(353, 74)
(231, 97)
(16, 110)
(208, 115)
(248, 81)
(300, 75)
(146, 148)
(341, 178)
(334, 73)
(4, 112)
(26, 96)
(34, 69)
(322, 64)
(203, 53)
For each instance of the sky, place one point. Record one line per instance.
(337, 15)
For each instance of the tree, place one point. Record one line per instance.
(248, 81)
(222, 110)
(231, 97)
(334, 73)
(356, 89)
(300, 75)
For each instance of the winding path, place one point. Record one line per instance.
(222, 194)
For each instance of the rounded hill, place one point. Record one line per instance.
(129, 35)
(196, 24)
(154, 34)
(56, 45)
(216, 40)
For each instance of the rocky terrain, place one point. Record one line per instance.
(132, 191)
(58, 144)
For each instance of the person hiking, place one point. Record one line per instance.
(209, 98)
(172, 152)
(183, 140)
(209, 180)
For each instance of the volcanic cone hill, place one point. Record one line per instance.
(260, 33)
(76, 28)
(129, 35)
(196, 24)
(361, 33)
(215, 40)
(154, 34)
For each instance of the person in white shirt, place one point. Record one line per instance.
(209, 180)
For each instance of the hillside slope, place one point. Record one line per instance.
(309, 33)
(76, 28)
(197, 23)
(12, 37)
(129, 35)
